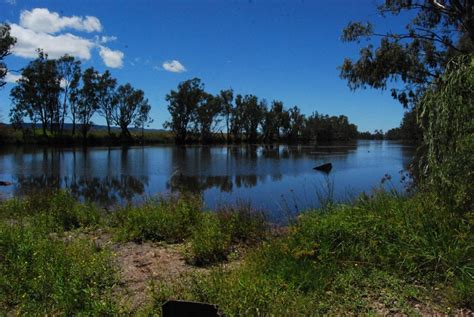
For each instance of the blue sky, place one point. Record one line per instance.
(285, 50)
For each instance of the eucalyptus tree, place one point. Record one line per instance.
(252, 115)
(6, 44)
(267, 124)
(143, 118)
(316, 128)
(227, 96)
(207, 116)
(88, 101)
(237, 119)
(296, 124)
(182, 105)
(74, 98)
(438, 31)
(106, 94)
(408, 129)
(131, 107)
(69, 71)
(272, 121)
(37, 92)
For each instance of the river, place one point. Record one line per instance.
(278, 179)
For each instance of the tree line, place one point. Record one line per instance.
(408, 130)
(197, 115)
(53, 90)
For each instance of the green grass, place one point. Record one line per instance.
(58, 211)
(209, 242)
(216, 233)
(180, 218)
(170, 219)
(42, 272)
(384, 250)
(95, 137)
(243, 223)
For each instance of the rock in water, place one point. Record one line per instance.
(2, 183)
(326, 168)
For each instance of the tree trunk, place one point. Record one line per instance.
(228, 132)
(63, 116)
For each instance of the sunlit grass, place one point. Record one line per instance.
(385, 250)
(381, 251)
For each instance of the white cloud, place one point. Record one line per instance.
(106, 39)
(42, 20)
(111, 58)
(38, 29)
(12, 78)
(11, 2)
(55, 45)
(174, 66)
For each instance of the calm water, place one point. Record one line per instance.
(279, 179)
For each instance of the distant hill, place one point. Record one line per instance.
(68, 127)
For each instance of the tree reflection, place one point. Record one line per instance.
(115, 175)
(103, 191)
(197, 184)
(104, 176)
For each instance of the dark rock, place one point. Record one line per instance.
(2, 183)
(177, 308)
(326, 168)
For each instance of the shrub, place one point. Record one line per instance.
(209, 242)
(57, 210)
(41, 274)
(243, 223)
(169, 219)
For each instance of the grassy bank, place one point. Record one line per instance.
(384, 250)
(99, 136)
(382, 254)
(96, 137)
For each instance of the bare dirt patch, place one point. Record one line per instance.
(140, 264)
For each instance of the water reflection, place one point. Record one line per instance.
(264, 175)
(104, 191)
(106, 176)
(194, 184)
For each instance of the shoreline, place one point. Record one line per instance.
(342, 259)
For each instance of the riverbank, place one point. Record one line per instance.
(384, 254)
(98, 136)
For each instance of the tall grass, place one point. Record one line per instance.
(42, 272)
(243, 223)
(180, 218)
(169, 219)
(385, 249)
(209, 242)
(58, 210)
